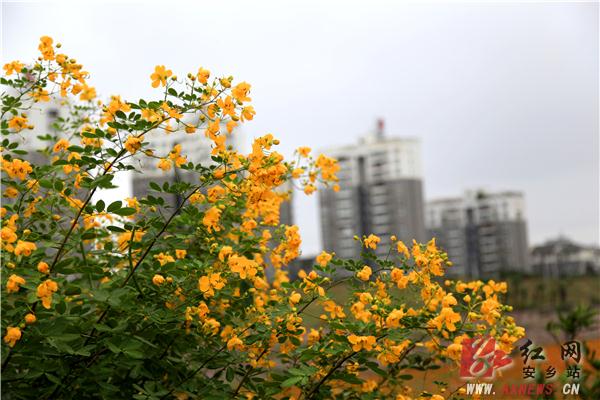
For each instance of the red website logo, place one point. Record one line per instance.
(480, 358)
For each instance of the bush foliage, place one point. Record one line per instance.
(146, 300)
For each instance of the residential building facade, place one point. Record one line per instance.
(484, 234)
(381, 193)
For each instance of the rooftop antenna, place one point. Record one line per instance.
(380, 127)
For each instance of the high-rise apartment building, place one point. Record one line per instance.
(484, 234)
(381, 192)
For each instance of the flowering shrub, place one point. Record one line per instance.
(139, 299)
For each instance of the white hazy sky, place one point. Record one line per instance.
(503, 96)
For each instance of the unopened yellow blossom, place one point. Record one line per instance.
(30, 318)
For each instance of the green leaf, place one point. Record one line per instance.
(125, 211)
(291, 381)
(114, 206)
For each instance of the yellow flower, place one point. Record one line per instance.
(45, 290)
(235, 343)
(24, 248)
(393, 318)
(11, 192)
(323, 259)
(372, 241)
(364, 274)
(248, 113)
(160, 75)
(18, 122)
(180, 253)
(46, 48)
(43, 267)
(8, 235)
(13, 335)
(164, 164)
(13, 283)
(295, 298)
(17, 168)
(40, 95)
(489, 310)
(310, 189)
(328, 167)
(240, 92)
(362, 342)
(402, 249)
(133, 143)
(86, 92)
(313, 336)
(14, 66)
(208, 284)
(297, 173)
(334, 310)
(224, 252)
(30, 319)
(164, 259)
(448, 318)
(203, 75)
(368, 386)
(158, 280)
(242, 266)
(62, 144)
(399, 278)
(303, 151)
(454, 351)
(150, 115)
(211, 219)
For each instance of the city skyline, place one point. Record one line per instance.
(503, 97)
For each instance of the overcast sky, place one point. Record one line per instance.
(503, 96)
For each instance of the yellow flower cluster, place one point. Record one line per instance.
(45, 291)
(16, 168)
